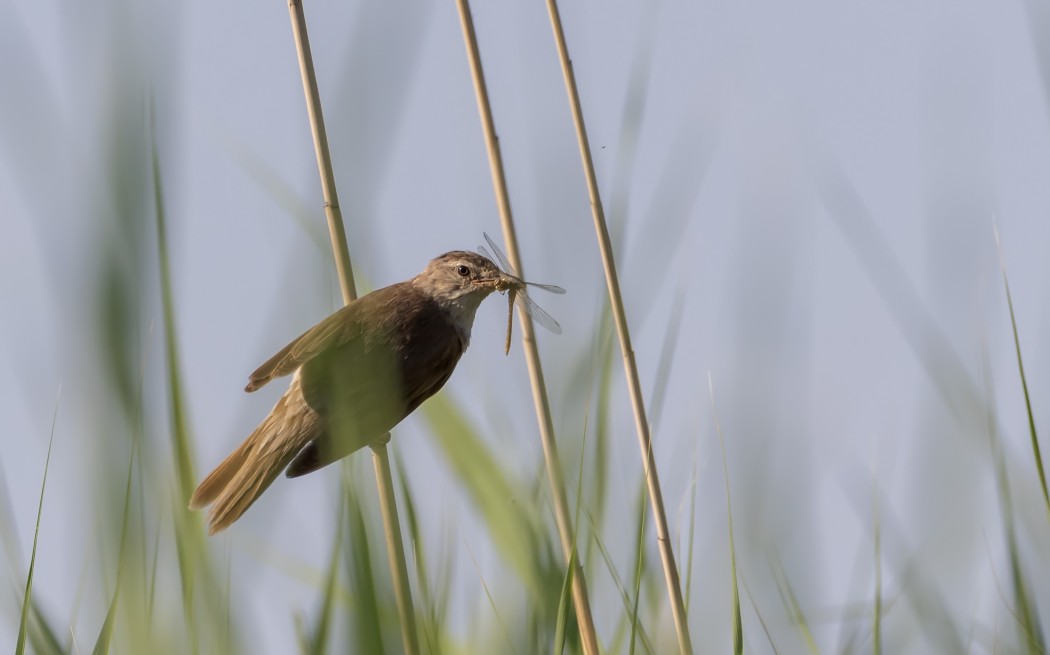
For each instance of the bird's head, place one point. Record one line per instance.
(460, 280)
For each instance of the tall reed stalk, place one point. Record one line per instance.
(565, 526)
(663, 535)
(380, 457)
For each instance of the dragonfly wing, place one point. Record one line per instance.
(552, 288)
(522, 299)
(499, 258)
(537, 313)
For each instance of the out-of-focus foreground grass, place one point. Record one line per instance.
(142, 577)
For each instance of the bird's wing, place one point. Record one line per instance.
(339, 328)
(357, 389)
(366, 386)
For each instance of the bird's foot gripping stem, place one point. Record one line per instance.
(380, 441)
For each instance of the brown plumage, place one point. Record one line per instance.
(358, 373)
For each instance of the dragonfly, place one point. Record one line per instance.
(514, 286)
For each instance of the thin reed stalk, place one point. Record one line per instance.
(565, 527)
(663, 536)
(341, 252)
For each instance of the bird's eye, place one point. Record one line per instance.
(464, 271)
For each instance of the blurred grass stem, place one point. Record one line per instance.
(1036, 454)
(27, 598)
(663, 536)
(380, 457)
(532, 356)
(738, 630)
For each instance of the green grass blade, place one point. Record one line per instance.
(692, 538)
(877, 609)
(639, 565)
(195, 568)
(607, 363)
(602, 362)
(738, 632)
(565, 602)
(43, 638)
(620, 586)
(761, 619)
(926, 599)
(318, 641)
(27, 599)
(151, 594)
(565, 608)
(226, 638)
(185, 548)
(303, 639)
(1024, 611)
(433, 609)
(8, 533)
(794, 608)
(667, 359)
(492, 601)
(512, 523)
(367, 613)
(182, 445)
(105, 635)
(1036, 454)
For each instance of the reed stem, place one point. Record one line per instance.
(341, 252)
(532, 357)
(663, 536)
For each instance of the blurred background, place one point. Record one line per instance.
(802, 199)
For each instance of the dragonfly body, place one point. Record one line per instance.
(514, 286)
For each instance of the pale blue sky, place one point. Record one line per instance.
(935, 112)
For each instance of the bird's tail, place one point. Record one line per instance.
(242, 477)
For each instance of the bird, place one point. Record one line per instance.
(356, 375)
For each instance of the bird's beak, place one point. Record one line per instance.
(506, 282)
(501, 282)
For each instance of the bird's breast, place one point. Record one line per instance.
(430, 349)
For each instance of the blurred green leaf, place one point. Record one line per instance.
(565, 609)
(1024, 610)
(318, 640)
(738, 633)
(513, 524)
(639, 562)
(105, 636)
(27, 599)
(793, 607)
(366, 617)
(432, 608)
(1036, 454)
